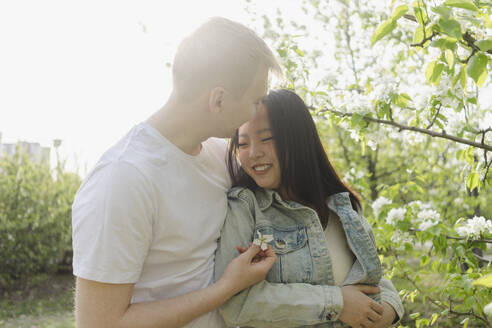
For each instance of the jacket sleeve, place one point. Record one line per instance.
(388, 292)
(390, 296)
(269, 304)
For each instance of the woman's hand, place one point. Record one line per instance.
(248, 268)
(359, 310)
(258, 257)
(389, 315)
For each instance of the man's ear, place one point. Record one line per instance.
(216, 100)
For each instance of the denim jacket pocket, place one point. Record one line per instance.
(294, 262)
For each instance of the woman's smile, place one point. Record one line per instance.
(261, 168)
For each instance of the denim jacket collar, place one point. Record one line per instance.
(265, 198)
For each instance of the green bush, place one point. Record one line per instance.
(35, 218)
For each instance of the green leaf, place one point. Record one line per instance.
(433, 72)
(473, 181)
(449, 57)
(384, 29)
(402, 100)
(451, 27)
(429, 70)
(463, 77)
(484, 45)
(444, 43)
(282, 52)
(488, 21)
(299, 52)
(418, 36)
(356, 120)
(457, 77)
(477, 67)
(434, 318)
(399, 12)
(484, 281)
(443, 11)
(419, 10)
(464, 4)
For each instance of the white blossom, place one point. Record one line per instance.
(429, 214)
(356, 174)
(426, 224)
(372, 144)
(379, 203)
(262, 241)
(473, 228)
(354, 135)
(395, 215)
(487, 309)
(401, 238)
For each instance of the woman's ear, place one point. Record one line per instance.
(216, 100)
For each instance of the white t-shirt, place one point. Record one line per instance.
(151, 214)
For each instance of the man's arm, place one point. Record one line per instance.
(108, 305)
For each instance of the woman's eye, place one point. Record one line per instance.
(241, 145)
(267, 139)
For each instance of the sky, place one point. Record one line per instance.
(86, 72)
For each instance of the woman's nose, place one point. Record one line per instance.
(255, 151)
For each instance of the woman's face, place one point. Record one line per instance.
(257, 152)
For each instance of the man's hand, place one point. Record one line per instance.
(359, 310)
(248, 268)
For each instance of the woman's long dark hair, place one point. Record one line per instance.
(306, 172)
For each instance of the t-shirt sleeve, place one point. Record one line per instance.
(112, 219)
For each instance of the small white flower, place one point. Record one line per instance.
(426, 224)
(488, 309)
(262, 241)
(372, 144)
(428, 214)
(463, 231)
(354, 135)
(401, 238)
(474, 227)
(395, 215)
(379, 203)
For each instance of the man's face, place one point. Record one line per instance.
(241, 110)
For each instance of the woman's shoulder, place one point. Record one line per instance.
(339, 199)
(240, 196)
(240, 193)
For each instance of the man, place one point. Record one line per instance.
(147, 218)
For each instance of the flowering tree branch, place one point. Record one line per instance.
(400, 127)
(437, 303)
(483, 240)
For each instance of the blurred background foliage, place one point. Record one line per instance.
(400, 92)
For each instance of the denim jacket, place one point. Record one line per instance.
(299, 289)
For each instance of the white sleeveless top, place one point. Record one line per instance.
(342, 257)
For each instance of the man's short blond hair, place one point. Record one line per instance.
(220, 53)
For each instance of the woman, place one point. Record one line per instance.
(288, 195)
